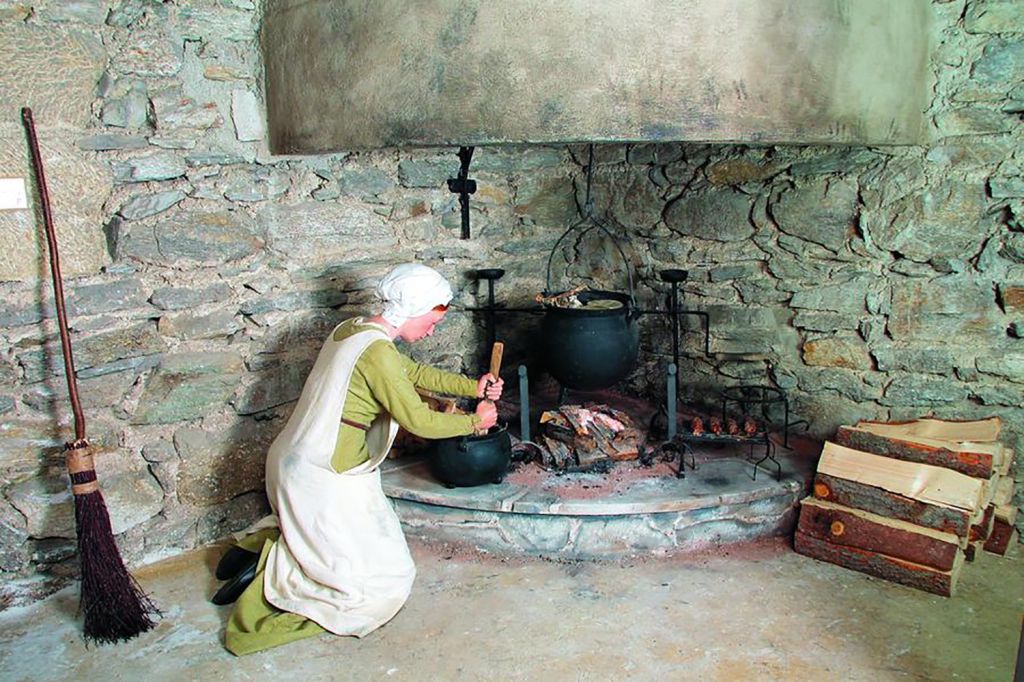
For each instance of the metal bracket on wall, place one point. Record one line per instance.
(463, 186)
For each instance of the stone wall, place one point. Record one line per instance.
(203, 272)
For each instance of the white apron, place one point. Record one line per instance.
(341, 560)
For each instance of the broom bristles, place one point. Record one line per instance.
(115, 607)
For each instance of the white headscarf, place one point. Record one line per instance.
(411, 290)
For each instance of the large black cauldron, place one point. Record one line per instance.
(591, 347)
(467, 461)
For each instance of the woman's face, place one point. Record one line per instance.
(416, 328)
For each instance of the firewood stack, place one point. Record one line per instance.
(910, 502)
(585, 436)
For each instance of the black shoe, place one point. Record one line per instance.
(233, 589)
(233, 561)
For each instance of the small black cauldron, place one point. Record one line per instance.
(467, 461)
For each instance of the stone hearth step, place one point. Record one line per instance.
(628, 511)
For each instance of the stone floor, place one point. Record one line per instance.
(750, 612)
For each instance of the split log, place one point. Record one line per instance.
(1003, 492)
(864, 530)
(922, 482)
(980, 531)
(881, 566)
(891, 505)
(977, 430)
(587, 436)
(1008, 458)
(1003, 536)
(975, 459)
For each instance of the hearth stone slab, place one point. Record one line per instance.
(595, 516)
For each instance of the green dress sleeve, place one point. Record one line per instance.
(394, 388)
(437, 380)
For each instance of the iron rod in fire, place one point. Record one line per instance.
(670, 385)
(524, 404)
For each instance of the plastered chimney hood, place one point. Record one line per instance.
(353, 74)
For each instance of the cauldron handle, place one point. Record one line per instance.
(588, 216)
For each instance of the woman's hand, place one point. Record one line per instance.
(488, 414)
(489, 386)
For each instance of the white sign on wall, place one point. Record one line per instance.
(12, 194)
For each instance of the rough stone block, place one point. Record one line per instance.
(155, 166)
(944, 310)
(841, 297)
(1011, 297)
(204, 238)
(840, 351)
(128, 111)
(152, 52)
(1000, 65)
(972, 121)
(211, 24)
(972, 152)
(618, 536)
(538, 533)
(283, 385)
(131, 496)
(253, 184)
(822, 211)
(217, 467)
(145, 205)
(941, 220)
(845, 382)
(365, 182)
(922, 359)
(187, 386)
(319, 233)
(1008, 365)
(916, 390)
(117, 344)
(428, 173)
(213, 325)
(994, 16)
(742, 330)
(1006, 187)
(720, 216)
(547, 199)
(104, 297)
(232, 516)
(179, 298)
(825, 321)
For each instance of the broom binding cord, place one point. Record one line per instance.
(115, 606)
(81, 467)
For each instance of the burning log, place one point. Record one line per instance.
(715, 426)
(587, 436)
(697, 426)
(732, 427)
(749, 427)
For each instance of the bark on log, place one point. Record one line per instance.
(978, 464)
(848, 528)
(1001, 538)
(892, 505)
(879, 565)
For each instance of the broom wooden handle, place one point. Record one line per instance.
(58, 287)
(496, 353)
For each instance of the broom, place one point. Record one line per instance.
(114, 605)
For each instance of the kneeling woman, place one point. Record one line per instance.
(333, 556)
